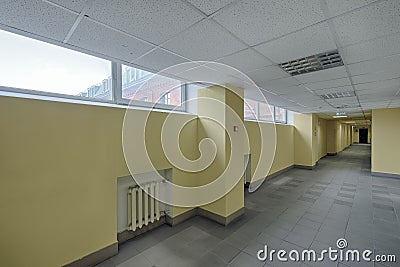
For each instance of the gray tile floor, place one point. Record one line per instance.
(300, 209)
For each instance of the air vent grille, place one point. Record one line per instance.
(313, 63)
(338, 95)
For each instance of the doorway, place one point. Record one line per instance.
(363, 136)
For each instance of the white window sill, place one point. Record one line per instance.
(89, 102)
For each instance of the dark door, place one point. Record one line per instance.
(363, 136)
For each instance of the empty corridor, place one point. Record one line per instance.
(300, 209)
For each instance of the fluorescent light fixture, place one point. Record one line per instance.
(313, 63)
(340, 116)
(338, 95)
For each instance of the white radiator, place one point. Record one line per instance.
(142, 207)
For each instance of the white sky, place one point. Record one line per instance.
(31, 64)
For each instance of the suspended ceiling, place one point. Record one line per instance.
(252, 36)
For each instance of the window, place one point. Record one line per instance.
(280, 114)
(250, 109)
(38, 68)
(265, 112)
(139, 84)
(166, 98)
(28, 64)
(260, 111)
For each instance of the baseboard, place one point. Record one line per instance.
(331, 154)
(206, 214)
(95, 257)
(127, 235)
(270, 176)
(280, 172)
(221, 219)
(234, 216)
(181, 217)
(304, 167)
(386, 175)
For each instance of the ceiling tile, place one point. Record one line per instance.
(394, 104)
(392, 91)
(94, 37)
(377, 65)
(159, 59)
(204, 74)
(310, 41)
(381, 94)
(267, 73)
(369, 22)
(375, 105)
(152, 20)
(323, 75)
(246, 60)
(304, 97)
(176, 69)
(209, 7)
(228, 70)
(37, 17)
(205, 41)
(377, 76)
(380, 47)
(329, 84)
(278, 84)
(74, 5)
(352, 99)
(340, 89)
(378, 84)
(376, 99)
(314, 103)
(290, 90)
(337, 7)
(256, 21)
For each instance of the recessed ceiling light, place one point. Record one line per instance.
(338, 95)
(313, 63)
(347, 106)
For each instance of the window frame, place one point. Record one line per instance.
(280, 121)
(116, 92)
(136, 103)
(273, 110)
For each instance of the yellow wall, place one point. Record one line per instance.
(58, 174)
(338, 136)
(385, 141)
(284, 153)
(322, 145)
(59, 168)
(310, 139)
(232, 100)
(303, 140)
(356, 136)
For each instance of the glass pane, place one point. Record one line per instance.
(34, 65)
(250, 109)
(280, 114)
(145, 86)
(266, 111)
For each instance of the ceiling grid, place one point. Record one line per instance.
(254, 36)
